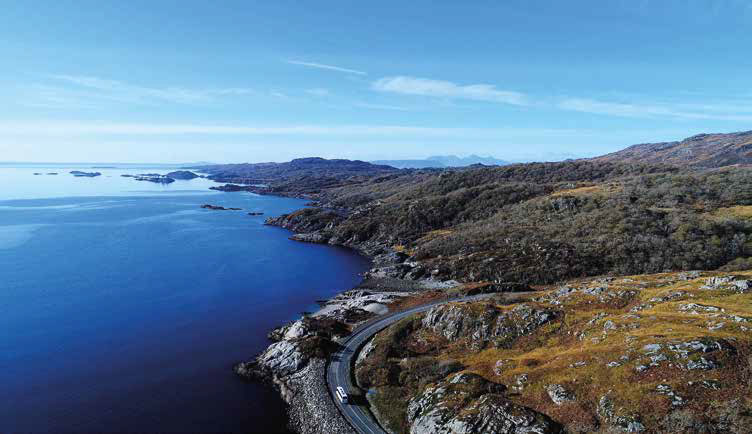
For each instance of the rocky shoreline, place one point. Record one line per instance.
(295, 363)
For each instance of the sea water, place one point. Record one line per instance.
(124, 305)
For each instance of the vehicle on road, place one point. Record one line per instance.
(341, 395)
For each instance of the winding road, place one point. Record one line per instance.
(339, 371)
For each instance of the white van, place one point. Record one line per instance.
(341, 395)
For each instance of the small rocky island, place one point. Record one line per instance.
(183, 175)
(218, 208)
(81, 174)
(157, 179)
(151, 177)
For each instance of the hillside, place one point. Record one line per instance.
(299, 177)
(648, 353)
(314, 166)
(659, 348)
(701, 151)
(541, 223)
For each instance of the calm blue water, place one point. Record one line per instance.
(123, 305)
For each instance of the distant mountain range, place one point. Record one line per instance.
(702, 151)
(442, 161)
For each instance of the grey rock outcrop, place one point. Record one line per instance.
(311, 237)
(368, 302)
(281, 358)
(468, 403)
(616, 419)
(484, 324)
(728, 282)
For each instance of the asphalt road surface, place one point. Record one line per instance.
(339, 371)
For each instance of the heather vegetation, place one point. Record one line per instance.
(542, 223)
(658, 353)
(661, 350)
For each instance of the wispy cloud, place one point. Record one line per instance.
(381, 107)
(84, 128)
(65, 91)
(328, 67)
(625, 106)
(53, 97)
(720, 112)
(318, 91)
(447, 89)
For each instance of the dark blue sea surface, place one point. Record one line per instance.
(125, 310)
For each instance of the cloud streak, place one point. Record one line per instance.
(87, 92)
(652, 110)
(85, 128)
(382, 107)
(446, 89)
(318, 91)
(327, 67)
(427, 87)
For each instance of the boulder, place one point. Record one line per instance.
(558, 394)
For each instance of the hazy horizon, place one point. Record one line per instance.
(196, 163)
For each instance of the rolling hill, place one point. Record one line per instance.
(702, 151)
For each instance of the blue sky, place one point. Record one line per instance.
(230, 81)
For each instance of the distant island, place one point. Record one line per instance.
(79, 173)
(184, 175)
(218, 208)
(169, 178)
